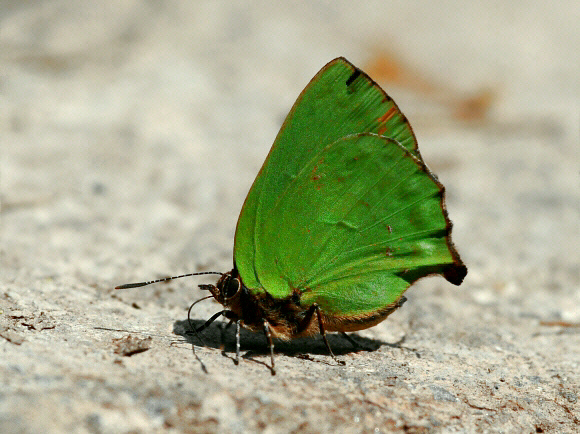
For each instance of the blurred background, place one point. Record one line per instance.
(130, 133)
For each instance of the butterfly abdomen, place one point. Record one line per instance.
(288, 318)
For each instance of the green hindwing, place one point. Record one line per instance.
(344, 210)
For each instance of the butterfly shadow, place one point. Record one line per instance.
(255, 344)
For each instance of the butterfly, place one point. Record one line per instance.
(342, 218)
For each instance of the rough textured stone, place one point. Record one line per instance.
(130, 133)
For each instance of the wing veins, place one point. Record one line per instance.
(330, 233)
(394, 241)
(369, 258)
(351, 188)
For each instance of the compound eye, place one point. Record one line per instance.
(231, 287)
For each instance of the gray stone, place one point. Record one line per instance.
(130, 133)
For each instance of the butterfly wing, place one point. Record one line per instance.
(338, 211)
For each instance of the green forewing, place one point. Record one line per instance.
(343, 209)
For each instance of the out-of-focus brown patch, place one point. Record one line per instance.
(389, 68)
(475, 107)
(559, 324)
(386, 67)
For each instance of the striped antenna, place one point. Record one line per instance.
(138, 285)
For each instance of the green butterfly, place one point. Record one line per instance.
(342, 218)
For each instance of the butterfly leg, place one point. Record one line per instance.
(237, 361)
(204, 326)
(208, 322)
(271, 344)
(233, 318)
(323, 333)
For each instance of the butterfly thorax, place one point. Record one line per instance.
(286, 317)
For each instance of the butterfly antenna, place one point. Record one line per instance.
(138, 285)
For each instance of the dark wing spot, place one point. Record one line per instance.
(455, 273)
(353, 77)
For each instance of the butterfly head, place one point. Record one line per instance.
(227, 290)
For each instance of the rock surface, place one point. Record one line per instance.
(130, 133)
